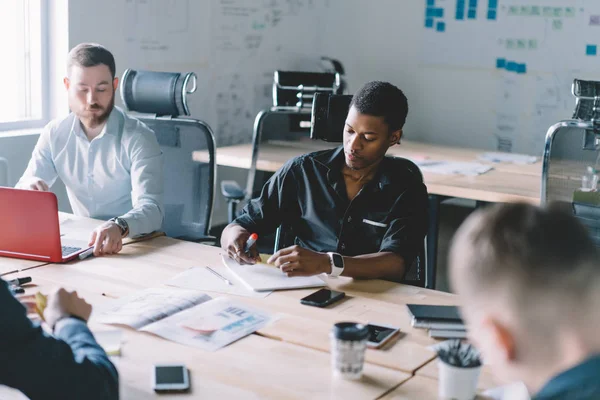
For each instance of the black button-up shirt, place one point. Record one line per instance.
(308, 197)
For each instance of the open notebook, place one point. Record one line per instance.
(260, 277)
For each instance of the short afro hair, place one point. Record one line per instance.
(382, 99)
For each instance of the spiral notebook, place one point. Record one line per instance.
(260, 277)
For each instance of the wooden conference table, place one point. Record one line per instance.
(287, 359)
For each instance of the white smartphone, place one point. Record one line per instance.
(171, 378)
(380, 334)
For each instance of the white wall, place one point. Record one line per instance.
(379, 39)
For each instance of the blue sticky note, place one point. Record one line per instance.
(591, 50)
(491, 14)
(441, 26)
(430, 3)
(501, 63)
(460, 14)
(493, 4)
(430, 12)
(472, 3)
(439, 12)
(472, 13)
(429, 23)
(521, 68)
(512, 66)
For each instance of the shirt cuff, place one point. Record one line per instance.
(68, 326)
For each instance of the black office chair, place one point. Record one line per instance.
(293, 93)
(159, 99)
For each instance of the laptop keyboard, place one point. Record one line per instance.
(66, 250)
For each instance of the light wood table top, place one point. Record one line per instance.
(265, 365)
(253, 367)
(153, 262)
(514, 182)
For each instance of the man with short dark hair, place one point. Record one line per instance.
(529, 279)
(110, 163)
(353, 211)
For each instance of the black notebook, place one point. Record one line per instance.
(427, 313)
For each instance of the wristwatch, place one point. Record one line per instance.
(121, 223)
(337, 264)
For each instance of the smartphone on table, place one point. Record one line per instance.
(170, 378)
(380, 334)
(322, 298)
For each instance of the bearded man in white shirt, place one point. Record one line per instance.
(110, 163)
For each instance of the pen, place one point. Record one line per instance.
(251, 240)
(16, 290)
(219, 275)
(86, 254)
(19, 281)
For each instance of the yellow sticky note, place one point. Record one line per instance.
(41, 301)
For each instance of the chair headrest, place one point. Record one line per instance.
(160, 93)
(297, 88)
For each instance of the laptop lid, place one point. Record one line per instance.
(29, 226)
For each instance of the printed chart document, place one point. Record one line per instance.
(187, 317)
(211, 325)
(260, 277)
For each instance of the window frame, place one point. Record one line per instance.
(45, 78)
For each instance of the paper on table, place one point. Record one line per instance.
(110, 340)
(455, 168)
(211, 325)
(508, 157)
(149, 305)
(200, 278)
(261, 277)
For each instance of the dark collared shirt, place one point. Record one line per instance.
(578, 383)
(308, 196)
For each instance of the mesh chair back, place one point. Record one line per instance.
(160, 97)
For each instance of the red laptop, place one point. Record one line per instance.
(29, 227)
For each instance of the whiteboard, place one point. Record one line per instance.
(234, 46)
(533, 49)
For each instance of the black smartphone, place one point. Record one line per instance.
(322, 298)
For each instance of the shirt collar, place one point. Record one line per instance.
(578, 376)
(334, 160)
(108, 128)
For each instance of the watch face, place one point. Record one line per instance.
(338, 261)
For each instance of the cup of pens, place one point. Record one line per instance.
(459, 368)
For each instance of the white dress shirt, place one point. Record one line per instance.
(117, 174)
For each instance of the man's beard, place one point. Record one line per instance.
(95, 120)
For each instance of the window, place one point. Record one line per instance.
(24, 66)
